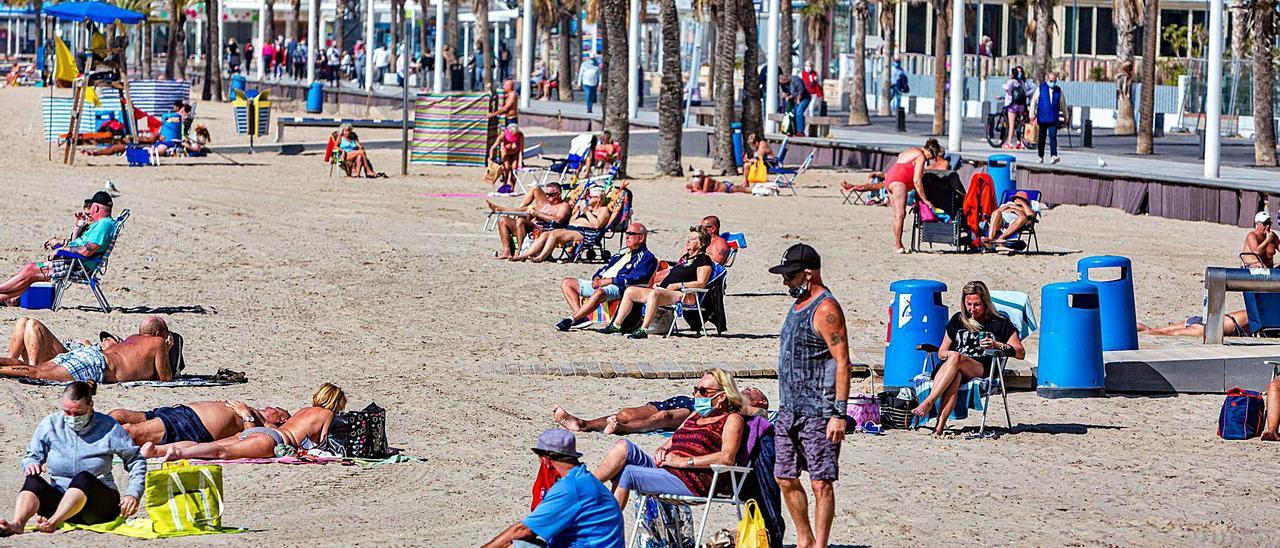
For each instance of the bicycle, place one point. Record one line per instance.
(997, 128)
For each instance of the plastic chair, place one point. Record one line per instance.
(735, 475)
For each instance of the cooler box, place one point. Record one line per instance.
(37, 297)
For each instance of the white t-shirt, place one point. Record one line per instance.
(381, 57)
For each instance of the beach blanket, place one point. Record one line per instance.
(310, 459)
(140, 528)
(1017, 306)
(183, 381)
(454, 195)
(450, 129)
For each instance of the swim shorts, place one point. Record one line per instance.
(1009, 216)
(86, 363)
(802, 445)
(181, 423)
(678, 402)
(611, 292)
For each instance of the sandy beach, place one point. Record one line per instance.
(269, 266)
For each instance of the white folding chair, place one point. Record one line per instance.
(735, 475)
(988, 385)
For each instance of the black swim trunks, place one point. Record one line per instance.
(180, 424)
(678, 402)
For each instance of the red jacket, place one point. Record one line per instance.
(979, 202)
(812, 82)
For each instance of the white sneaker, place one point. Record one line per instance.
(1041, 160)
(1055, 160)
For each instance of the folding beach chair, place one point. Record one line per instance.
(736, 478)
(786, 178)
(736, 241)
(1027, 234)
(1263, 310)
(982, 386)
(947, 194)
(580, 149)
(527, 176)
(81, 274)
(862, 194)
(334, 156)
(700, 308)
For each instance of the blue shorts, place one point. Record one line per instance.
(181, 423)
(678, 402)
(86, 363)
(611, 292)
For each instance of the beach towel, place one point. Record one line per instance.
(450, 129)
(142, 528)
(315, 459)
(180, 382)
(979, 202)
(1016, 305)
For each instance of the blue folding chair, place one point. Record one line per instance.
(580, 149)
(1028, 232)
(81, 274)
(681, 308)
(786, 177)
(1264, 314)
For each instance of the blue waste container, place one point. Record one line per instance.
(315, 97)
(737, 142)
(916, 316)
(1003, 169)
(1070, 360)
(1115, 300)
(238, 82)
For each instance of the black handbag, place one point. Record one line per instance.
(895, 411)
(359, 434)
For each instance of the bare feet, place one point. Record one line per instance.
(611, 424)
(492, 206)
(1270, 435)
(502, 256)
(922, 410)
(535, 260)
(7, 528)
(518, 259)
(45, 525)
(563, 418)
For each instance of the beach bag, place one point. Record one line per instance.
(757, 172)
(751, 529)
(547, 477)
(1242, 415)
(182, 497)
(926, 214)
(359, 434)
(863, 409)
(895, 408)
(492, 172)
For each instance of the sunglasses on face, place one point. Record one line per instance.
(704, 391)
(634, 233)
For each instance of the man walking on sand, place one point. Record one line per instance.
(813, 388)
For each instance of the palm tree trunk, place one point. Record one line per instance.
(887, 34)
(424, 38)
(564, 62)
(291, 24)
(339, 24)
(181, 66)
(858, 115)
(713, 43)
(940, 36)
(174, 46)
(451, 23)
(212, 54)
(270, 33)
(486, 46)
(726, 47)
(1147, 102)
(752, 121)
(1123, 18)
(616, 119)
(1043, 61)
(1264, 129)
(786, 37)
(670, 103)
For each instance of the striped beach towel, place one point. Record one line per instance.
(450, 129)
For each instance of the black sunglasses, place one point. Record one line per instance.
(704, 391)
(629, 233)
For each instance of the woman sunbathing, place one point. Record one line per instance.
(711, 435)
(702, 182)
(1234, 324)
(306, 429)
(354, 155)
(692, 271)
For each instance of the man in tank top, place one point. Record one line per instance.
(813, 386)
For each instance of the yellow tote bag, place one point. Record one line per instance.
(751, 530)
(182, 497)
(757, 172)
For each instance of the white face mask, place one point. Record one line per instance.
(78, 422)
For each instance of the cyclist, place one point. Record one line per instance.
(1015, 105)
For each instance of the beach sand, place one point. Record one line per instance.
(396, 297)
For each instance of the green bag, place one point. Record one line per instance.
(182, 497)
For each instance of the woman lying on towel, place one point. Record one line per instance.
(976, 328)
(1234, 324)
(306, 429)
(711, 435)
(701, 182)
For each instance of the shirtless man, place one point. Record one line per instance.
(32, 342)
(1260, 243)
(62, 252)
(198, 421)
(1012, 215)
(591, 216)
(141, 357)
(542, 204)
(508, 110)
(718, 249)
(653, 416)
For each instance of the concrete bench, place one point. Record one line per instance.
(299, 121)
(814, 126)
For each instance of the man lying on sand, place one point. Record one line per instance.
(142, 357)
(1233, 324)
(307, 428)
(653, 416)
(544, 205)
(32, 342)
(198, 421)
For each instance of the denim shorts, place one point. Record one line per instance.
(611, 292)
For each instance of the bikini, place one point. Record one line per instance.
(275, 435)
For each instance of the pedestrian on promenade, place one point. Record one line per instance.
(589, 79)
(813, 386)
(897, 85)
(1047, 108)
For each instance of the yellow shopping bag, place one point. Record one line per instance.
(757, 172)
(182, 497)
(751, 530)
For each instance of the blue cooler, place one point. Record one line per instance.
(1070, 360)
(37, 297)
(916, 316)
(315, 98)
(1003, 171)
(1115, 301)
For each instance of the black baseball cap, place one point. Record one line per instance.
(798, 257)
(101, 197)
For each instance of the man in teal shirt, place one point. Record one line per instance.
(87, 248)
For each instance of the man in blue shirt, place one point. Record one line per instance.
(577, 512)
(633, 266)
(88, 248)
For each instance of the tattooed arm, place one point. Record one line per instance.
(828, 321)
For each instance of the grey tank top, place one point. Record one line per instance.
(806, 370)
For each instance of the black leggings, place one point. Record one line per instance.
(102, 503)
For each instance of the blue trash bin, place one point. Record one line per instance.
(315, 97)
(1003, 171)
(916, 316)
(737, 142)
(1115, 301)
(238, 82)
(1070, 360)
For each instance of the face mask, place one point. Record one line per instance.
(1053, 84)
(702, 406)
(78, 422)
(799, 290)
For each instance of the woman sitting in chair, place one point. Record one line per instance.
(711, 435)
(354, 156)
(692, 271)
(976, 328)
(907, 174)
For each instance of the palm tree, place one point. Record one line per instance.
(1044, 27)
(817, 16)
(726, 48)
(786, 37)
(424, 39)
(291, 24)
(339, 24)
(940, 36)
(451, 25)
(1126, 15)
(175, 65)
(887, 36)
(140, 6)
(212, 54)
(752, 119)
(1263, 13)
(670, 103)
(1147, 102)
(269, 33)
(617, 77)
(858, 115)
(568, 53)
(485, 46)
